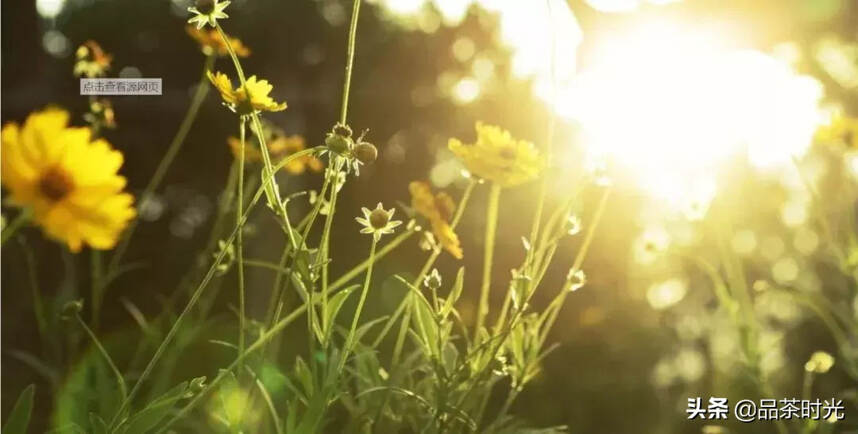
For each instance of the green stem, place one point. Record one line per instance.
(389, 247)
(239, 205)
(119, 380)
(807, 385)
(96, 272)
(350, 57)
(324, 248)
(488, 255)
(270, 186)
(347, 349)
(556, 304)
(38, 303)
(166, 161)
(20, 220)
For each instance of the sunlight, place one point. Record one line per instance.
(670, 104)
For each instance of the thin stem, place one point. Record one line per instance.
(807, 385)
(239, 248)
(38, 303)
(488, 255)
(350, 57)
(351, 274)
(554, 309)
(96, 273)
(271, 190)
(119, 380)
(324, 249)
(167, 160)
(20, 220)
(347, 349)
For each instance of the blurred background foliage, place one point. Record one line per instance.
(641, 338)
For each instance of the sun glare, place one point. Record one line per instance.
(672, 103)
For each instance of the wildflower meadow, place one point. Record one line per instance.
(429, 216)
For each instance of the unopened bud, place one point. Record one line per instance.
(366, 152)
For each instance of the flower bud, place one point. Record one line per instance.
(72, 309)
(820, 362)
(366, 152)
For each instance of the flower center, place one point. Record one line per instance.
(508, 153)
(205, 6)
(56, 184)
(378, 218)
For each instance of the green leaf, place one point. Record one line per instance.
(335, 303)
(19, 418)
(160, 407)
(423, 317)
(97, 424)
(455, 293)
(304, 376)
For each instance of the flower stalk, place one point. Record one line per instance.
(488, 255)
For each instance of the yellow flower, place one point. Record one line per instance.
(498, 157)
(68, 180)
(248, 98)
(438, 209)
(288, 145)
(211, 42)
(92, 61)
(820, 362)
(842, 130)
(279, 147)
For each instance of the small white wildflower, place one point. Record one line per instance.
(378, 221)
(207, 12)
(577, 279)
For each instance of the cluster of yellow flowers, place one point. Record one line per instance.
(91, 60)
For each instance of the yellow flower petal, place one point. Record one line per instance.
(438, 209)
(498, 157)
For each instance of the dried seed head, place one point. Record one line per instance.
(337, 143)
(366, 152)
(342, 130)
